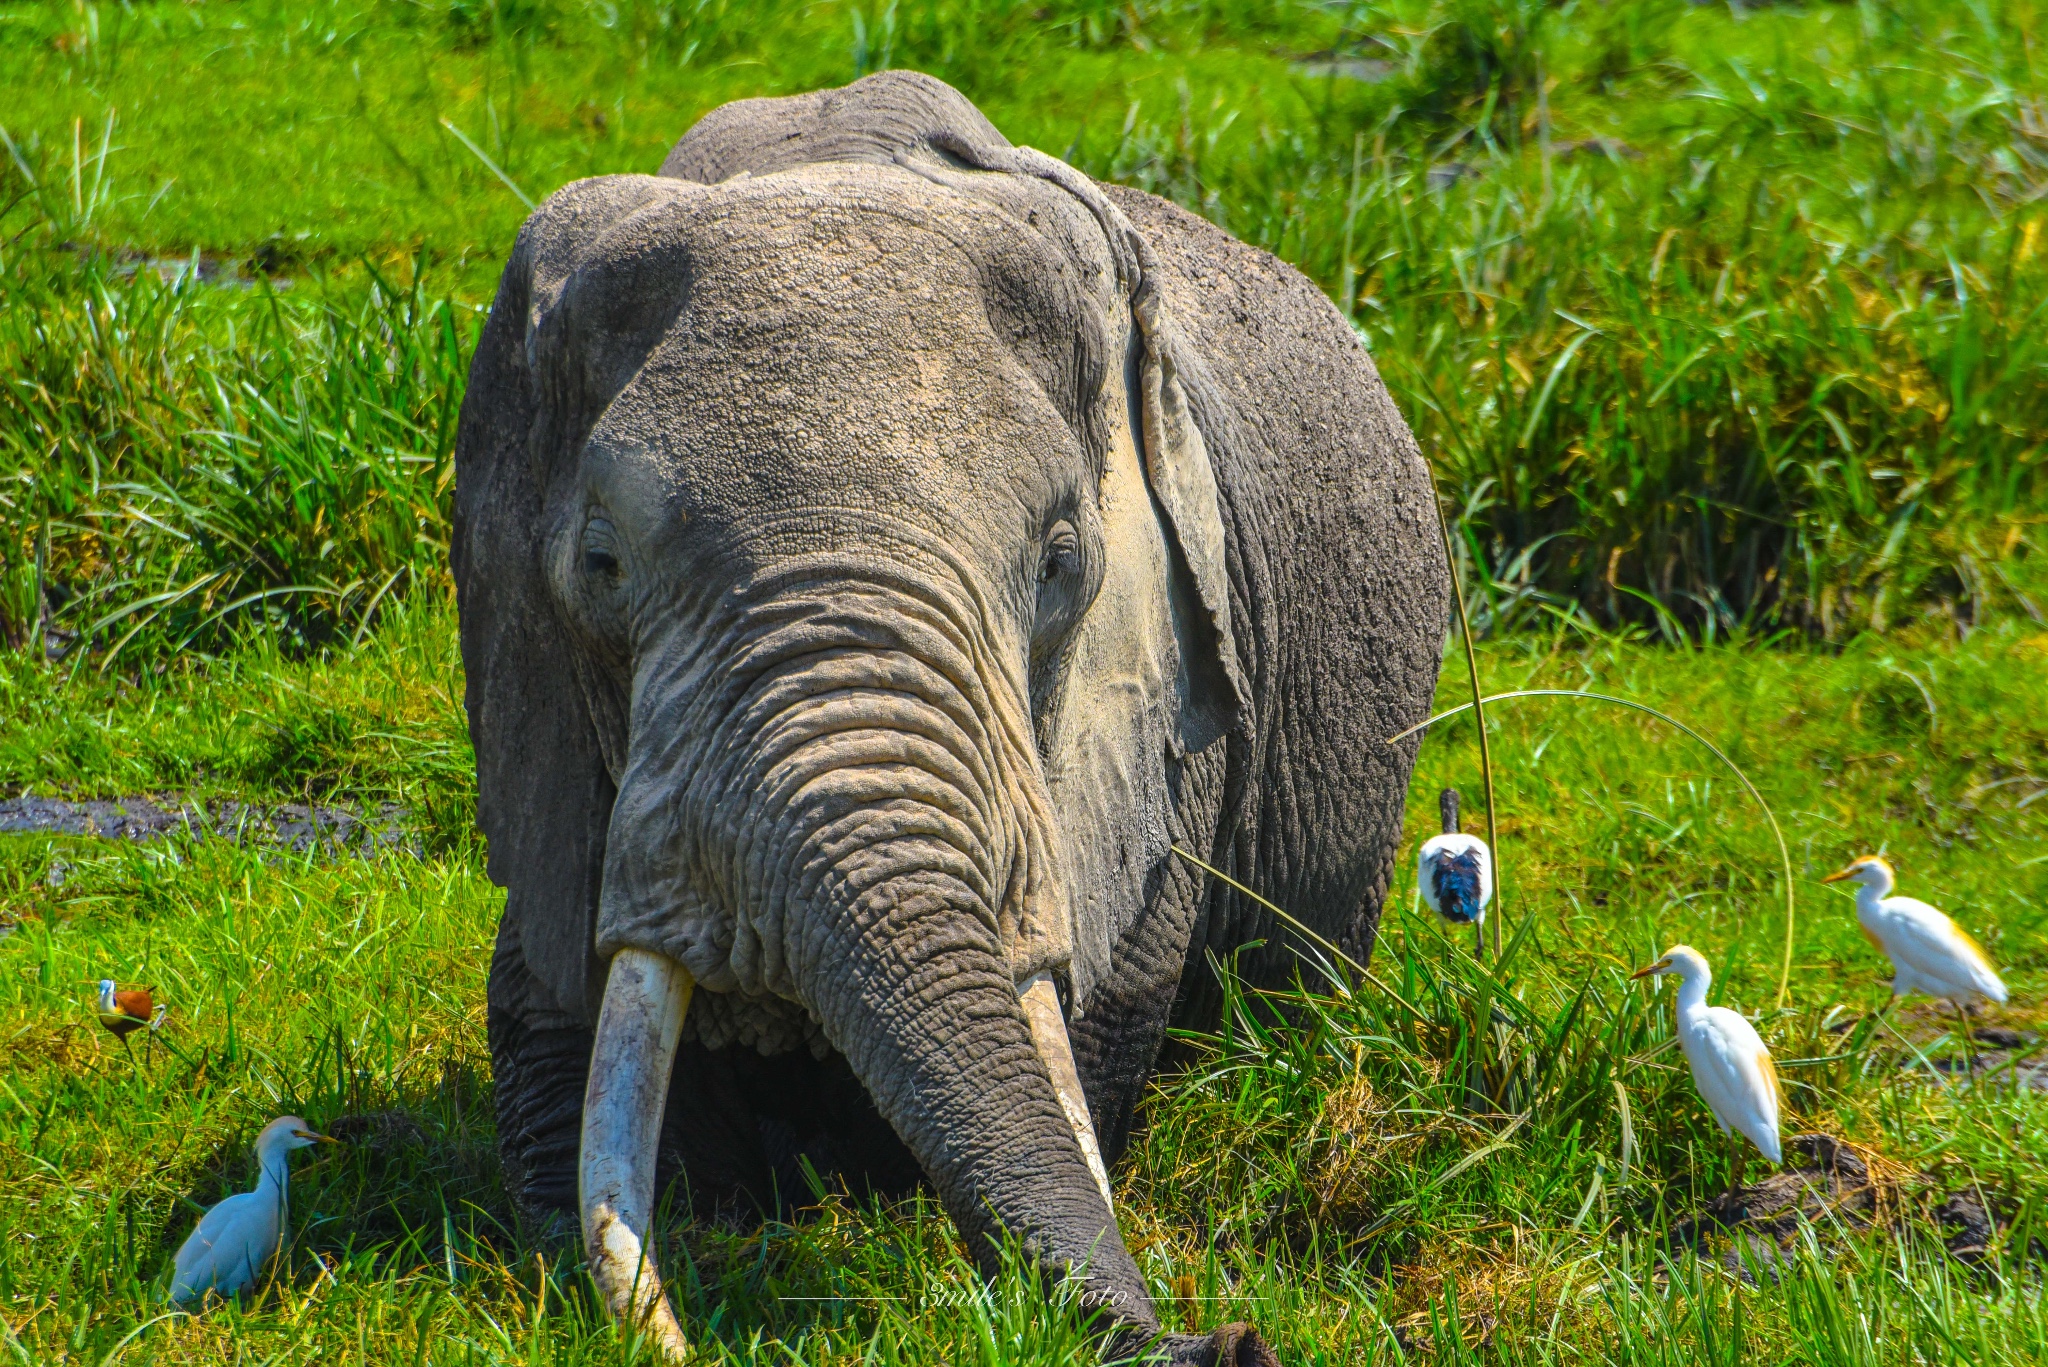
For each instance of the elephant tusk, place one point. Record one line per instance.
(638, 1028)
(1049, 1034)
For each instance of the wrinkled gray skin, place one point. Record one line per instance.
(877, 544)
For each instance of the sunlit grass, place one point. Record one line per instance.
(1708, 317)
(1712, 320)
(1451, 1167)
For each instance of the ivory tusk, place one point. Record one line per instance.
(638, 1028)
(1049, 1034)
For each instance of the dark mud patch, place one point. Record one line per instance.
(1975, 1223)
(325, 828)
(1828, 1184)
(2000, 1055)
(1837, 1188)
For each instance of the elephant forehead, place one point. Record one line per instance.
(859, 337)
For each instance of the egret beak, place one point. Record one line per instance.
(1839, 874)
(1652, 971)
(318, 1138)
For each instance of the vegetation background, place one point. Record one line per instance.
(1723, 328)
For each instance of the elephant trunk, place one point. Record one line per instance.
(646, 996)
(970, 1075)
(869, 815)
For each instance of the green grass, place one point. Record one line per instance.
(227, 465)
(1708, 317)
(1339, 1180)
(1715, 322)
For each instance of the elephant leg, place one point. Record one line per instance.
(540, 1057)
(740, 1127)
(814, 1111)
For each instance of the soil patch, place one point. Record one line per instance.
(1973, 1222)
(2000, 1055)
(1834, 1186)
(1827, 1184)
(300, 827)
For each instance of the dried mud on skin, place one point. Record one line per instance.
(1836, 1188)
(297, 826)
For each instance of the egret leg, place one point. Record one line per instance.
(1969, 1045)
(1479, 940)
(1735, 1164)
(1884, 1010)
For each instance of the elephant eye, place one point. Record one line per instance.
(1062, 553)
(598, 556)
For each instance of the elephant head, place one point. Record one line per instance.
(846, 598)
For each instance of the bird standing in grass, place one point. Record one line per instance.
(1454, 872)
(1929, 952)
(1731, 1069)
(124, 1011)
(238, 1238)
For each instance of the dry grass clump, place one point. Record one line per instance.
(1358, 1137)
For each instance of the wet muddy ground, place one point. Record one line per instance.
(1837, 1188)
(300, 827)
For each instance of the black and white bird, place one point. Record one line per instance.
(1454, 872)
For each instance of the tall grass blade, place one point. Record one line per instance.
(1443, 527)
(1784, 851)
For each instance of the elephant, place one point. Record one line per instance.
(877, 547)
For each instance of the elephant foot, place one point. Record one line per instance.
(1230, 1345)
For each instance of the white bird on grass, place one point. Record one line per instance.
(1731, 1069)
(1929, 952)
(1454, 871)
(238, 1238)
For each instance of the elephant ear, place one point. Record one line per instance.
(544, 793)
(1184, 483)
(1168, 383)
(1151, 675)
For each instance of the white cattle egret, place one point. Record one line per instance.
(1454, 872)
(1731, 1069)
(238, 1237)
(1929, 952)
